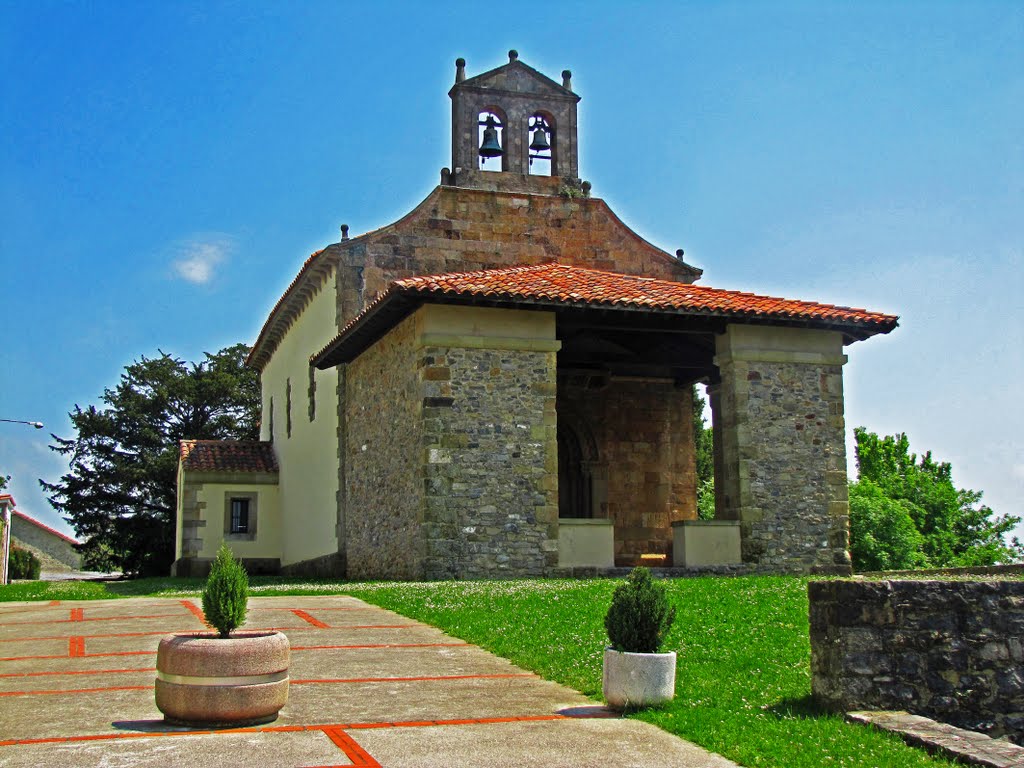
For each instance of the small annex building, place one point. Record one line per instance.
(500, 384)
(55, 551)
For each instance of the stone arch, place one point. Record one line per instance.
(579, 469)
(546, 162)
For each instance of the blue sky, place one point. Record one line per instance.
(165, 168)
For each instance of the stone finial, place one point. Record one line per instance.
(679, 253)
(586, 186)
(513, 55)
(460, 69)
(567, 79)
(344, 232)
(446, 177)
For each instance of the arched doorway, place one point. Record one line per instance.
(575, 477)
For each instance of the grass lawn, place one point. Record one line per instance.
(743, 679)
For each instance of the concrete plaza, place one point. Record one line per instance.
(368, 688)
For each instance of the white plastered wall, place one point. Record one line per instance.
(268, 520)
(308, 459)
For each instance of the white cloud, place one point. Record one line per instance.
(198, 259)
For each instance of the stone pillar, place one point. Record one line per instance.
(781, 446)
(722, 502)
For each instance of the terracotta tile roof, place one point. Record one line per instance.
(228, 456)
(562, 286)
(45, 527)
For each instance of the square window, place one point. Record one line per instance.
(239, 516)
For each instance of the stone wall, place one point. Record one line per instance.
(458, 230)
(491, 474)
(780, 446)
(951, 650)
(383, 459)
(54, 551)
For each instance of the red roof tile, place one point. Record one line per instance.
(564, 284)
(228, 456)
(560, 285)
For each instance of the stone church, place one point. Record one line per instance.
(500, 384)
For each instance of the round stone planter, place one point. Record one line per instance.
(205, 680)
(638, 679)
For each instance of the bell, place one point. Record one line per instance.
(490, 146)
(540, 141)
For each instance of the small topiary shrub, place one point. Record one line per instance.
(640, 615)
(23, 564)
(226, 593)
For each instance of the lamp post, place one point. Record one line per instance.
(6, 505)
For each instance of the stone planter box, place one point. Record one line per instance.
(586, 543)
(638, 679)
(705, 542)
(208, 681)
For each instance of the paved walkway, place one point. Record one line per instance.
(368, 688)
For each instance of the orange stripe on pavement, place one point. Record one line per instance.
(415, 679)
(324, 681)
(76, 646)
(77, 614)
(306, 617)
(322, 608)
(78, 690)
(94, 618)
(473, 721)
(191, 630)
(77, 672)
(195, 609)
(54, 603)
(335, 728)
(355, 753)
(371, 646)
(84, 655)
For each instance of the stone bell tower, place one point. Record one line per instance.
(513, 129)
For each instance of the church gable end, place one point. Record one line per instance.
(500, 384)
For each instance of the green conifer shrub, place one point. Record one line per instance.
(640, 615)
(226, 593)
(23, 564)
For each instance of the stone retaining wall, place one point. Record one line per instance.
(952, 650)
(54, 551)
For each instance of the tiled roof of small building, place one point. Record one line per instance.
(572, 285)
(563, 286)
(228, 456)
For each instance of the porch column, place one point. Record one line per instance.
(782, 446)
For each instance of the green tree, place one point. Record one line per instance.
(119, 491)
(226, 594)
(883, 536)
(955, 528)
(704, 452)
